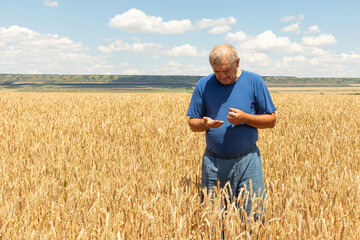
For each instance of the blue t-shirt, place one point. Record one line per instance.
(213, 99)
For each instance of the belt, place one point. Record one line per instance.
(247, 151)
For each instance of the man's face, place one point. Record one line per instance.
(226, 73)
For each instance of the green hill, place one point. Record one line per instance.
(143, 82)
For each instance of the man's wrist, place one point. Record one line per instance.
(206, 126)
(247, 119)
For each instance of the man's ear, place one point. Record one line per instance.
(238, 63)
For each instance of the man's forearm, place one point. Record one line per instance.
(261, 121)
(197, 125)
(256, 121)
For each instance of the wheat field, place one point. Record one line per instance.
(126, 166)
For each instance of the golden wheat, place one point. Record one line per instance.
(126, 166)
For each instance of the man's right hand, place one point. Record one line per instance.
(211, 123)
(203, 124)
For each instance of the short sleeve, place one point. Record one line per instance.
(197, 107)
(263, 101)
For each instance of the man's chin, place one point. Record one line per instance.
(226, 82)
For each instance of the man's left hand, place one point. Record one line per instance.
(236, 116)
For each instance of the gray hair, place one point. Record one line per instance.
(223, 54)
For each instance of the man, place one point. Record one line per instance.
(230, 105)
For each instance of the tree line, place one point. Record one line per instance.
(9, 79)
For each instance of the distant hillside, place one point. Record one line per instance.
(54, 78)
(151, 80)
(296, 80)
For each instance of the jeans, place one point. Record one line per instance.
(236, 170)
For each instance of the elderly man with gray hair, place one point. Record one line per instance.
(231, 105)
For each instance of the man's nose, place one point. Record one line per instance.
(222, 75)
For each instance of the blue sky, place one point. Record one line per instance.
(318, 38)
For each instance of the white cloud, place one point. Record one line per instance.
(327, 64)
(171, 67)
(146, 47)
(268, 41)
(291, 28)
(50, 3)
(288, 19)
(117, 46)
(22, 37)
(184, 50)
(25, 50)
(101, 67)
(196, 70)
(261, 59)
(298, 59)
(323, 39)
(353, 57)
(15, 34)
(236, 37)
(315, 61)
(313, 29)
(315, 51)
(137, 21)
(219, 29)
(120, 45)
(295, 27)
(176, 68)
(207, 23)
(294, 65)
(178, 51)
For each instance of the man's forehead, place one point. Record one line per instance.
(222, 66)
